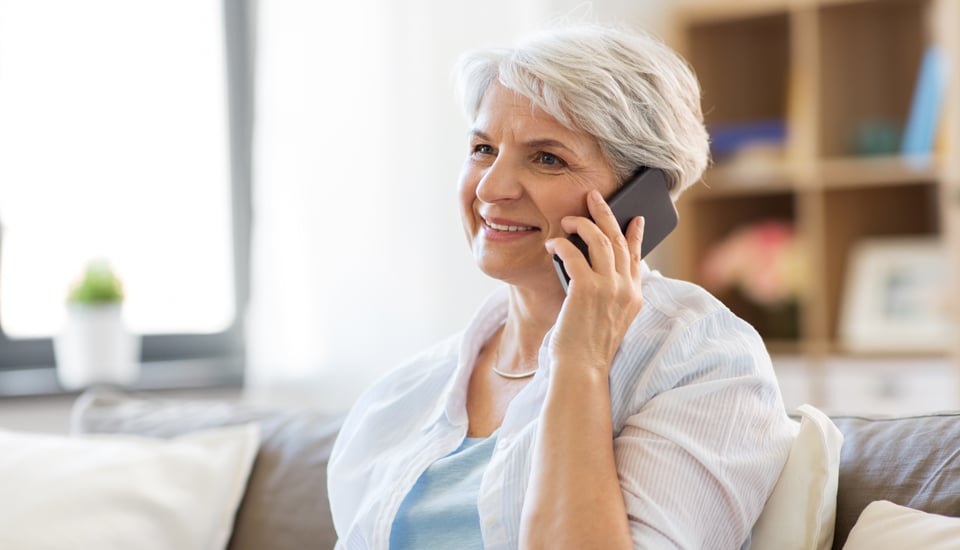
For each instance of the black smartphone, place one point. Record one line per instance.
(646, 193)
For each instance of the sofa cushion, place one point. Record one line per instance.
(114, 492)
(285, 505)
(910, 461)
(884, 525)
(800, 512)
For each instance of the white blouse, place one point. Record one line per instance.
(700, 430)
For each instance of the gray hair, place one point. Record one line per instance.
(635, 95)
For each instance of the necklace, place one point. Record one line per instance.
(510, 375)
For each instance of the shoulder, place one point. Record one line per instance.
(698, 401)
(688, 318)
(684, 336)
(682, 301)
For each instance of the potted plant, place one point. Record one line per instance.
(94, 346)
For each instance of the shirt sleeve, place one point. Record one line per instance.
(698, 460)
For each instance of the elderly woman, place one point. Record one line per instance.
(632, 411)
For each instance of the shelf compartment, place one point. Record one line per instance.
(870, 55)
(742, 66)
(855, 213)
(713, 218)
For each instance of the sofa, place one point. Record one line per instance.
(911, 461)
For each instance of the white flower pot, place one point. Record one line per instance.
(94, 347)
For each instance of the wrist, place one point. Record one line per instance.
(580, 374)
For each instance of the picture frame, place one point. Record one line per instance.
(896, 297)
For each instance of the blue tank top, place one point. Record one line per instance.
(441, 509)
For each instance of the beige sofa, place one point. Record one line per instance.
(912, 461)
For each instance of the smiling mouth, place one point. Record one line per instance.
(511, 228)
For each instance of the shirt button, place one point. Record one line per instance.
(488, 521)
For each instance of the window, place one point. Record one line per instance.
(122, 137)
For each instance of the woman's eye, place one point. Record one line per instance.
(549, 159)
(482, 149)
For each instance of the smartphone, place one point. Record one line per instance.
(645, 193)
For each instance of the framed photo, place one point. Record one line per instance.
(896, 297)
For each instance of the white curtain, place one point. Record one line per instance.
(359, 259)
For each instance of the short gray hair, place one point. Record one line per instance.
(635, 95)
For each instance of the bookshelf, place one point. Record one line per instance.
(840, 75)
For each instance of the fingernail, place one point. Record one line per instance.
(595, 196)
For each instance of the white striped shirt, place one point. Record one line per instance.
(700, 430)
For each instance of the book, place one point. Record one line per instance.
(925, 110)
(728, 139)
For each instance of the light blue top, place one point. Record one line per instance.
(441, 509)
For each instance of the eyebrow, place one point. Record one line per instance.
(547, 142)
(532, 144)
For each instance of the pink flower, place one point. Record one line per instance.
(765, 260)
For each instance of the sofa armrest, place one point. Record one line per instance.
(285, 505)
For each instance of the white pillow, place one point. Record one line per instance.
(884, 524)
(123, 491)
(801, 511)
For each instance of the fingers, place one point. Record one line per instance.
(603, 216)
(610, 250)
(601, 254)
(574, 262)
(634, 239)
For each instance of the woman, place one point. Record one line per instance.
(632, 410)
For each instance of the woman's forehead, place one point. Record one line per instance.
(505, 110)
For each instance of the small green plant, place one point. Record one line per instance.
(99, 285)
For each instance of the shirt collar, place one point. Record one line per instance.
(452, 403)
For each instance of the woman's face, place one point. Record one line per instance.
(524, 172)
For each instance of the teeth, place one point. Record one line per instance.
(499, 227)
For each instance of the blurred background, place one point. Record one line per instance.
(274, 183)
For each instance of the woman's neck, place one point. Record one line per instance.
(530, 314)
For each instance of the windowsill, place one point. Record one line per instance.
(159, 375)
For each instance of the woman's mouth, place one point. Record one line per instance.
(507, 226)
(502, 230)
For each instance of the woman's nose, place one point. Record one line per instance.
(499, 182)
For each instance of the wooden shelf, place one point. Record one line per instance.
(719, 12)
(733, 179)
(829, 173)
(835, 70)
(840, 351)
(840, 172)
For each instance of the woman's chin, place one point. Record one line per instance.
(537, 274)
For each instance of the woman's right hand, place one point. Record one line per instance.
(604, 295)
